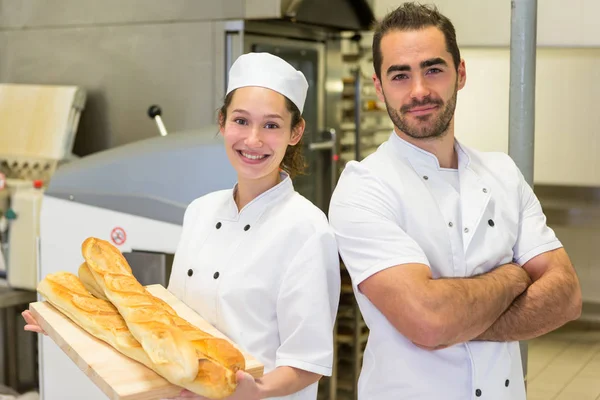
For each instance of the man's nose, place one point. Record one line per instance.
(419, 88)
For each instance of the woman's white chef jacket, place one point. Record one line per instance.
(398, 206)
(268, 277)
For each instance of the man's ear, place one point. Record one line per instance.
(462, 75)
(378, 88)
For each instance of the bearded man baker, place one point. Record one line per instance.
(451, 260)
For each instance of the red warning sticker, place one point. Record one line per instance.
(118, 236)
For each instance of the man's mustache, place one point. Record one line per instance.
(425, 102)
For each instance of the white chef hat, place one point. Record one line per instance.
(271, 72)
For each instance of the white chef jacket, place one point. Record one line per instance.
(268, 276)
(398, 206)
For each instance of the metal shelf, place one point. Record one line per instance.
(350, 340)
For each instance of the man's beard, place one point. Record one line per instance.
(430, 130)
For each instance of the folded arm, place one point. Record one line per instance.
(552, 300)
(441, 312)
(391, 269)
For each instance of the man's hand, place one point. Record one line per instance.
(551, 301)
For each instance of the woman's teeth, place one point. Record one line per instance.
(253, 157)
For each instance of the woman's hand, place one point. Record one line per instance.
(247, 389)
(32, 324)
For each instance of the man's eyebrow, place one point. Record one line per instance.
(424, 64)
(398, 68)
(433, 61)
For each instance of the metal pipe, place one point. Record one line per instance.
(522, 85)
(523, 44)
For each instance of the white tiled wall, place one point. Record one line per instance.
(567, 140)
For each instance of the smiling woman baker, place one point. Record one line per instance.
(259, 261)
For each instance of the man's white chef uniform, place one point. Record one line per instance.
(398, 206)
(268, 276)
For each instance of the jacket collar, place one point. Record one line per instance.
(253, 210)
(417, 156)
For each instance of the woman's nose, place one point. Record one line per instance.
(254, 138)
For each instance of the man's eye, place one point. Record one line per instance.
(399, 77)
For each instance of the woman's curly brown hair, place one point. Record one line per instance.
(293, 161)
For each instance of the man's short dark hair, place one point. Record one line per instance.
(412, 16)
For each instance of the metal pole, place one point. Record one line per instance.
(522, 97)
(522, 85)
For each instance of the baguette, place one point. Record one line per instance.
(97, 317)
(101, 319)
(88, 280)
(173, 355)
(216, 349)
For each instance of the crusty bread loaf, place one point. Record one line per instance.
(217, 349)
(88, 280)
(173, 355)
(98, 317)
(101, 319)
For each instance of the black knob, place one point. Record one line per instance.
(153, 111)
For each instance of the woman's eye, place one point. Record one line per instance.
(240, 121)
(271, 126)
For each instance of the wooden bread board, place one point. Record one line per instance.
(118, 376)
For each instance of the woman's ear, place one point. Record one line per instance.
(221, 123)
(297, 132)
